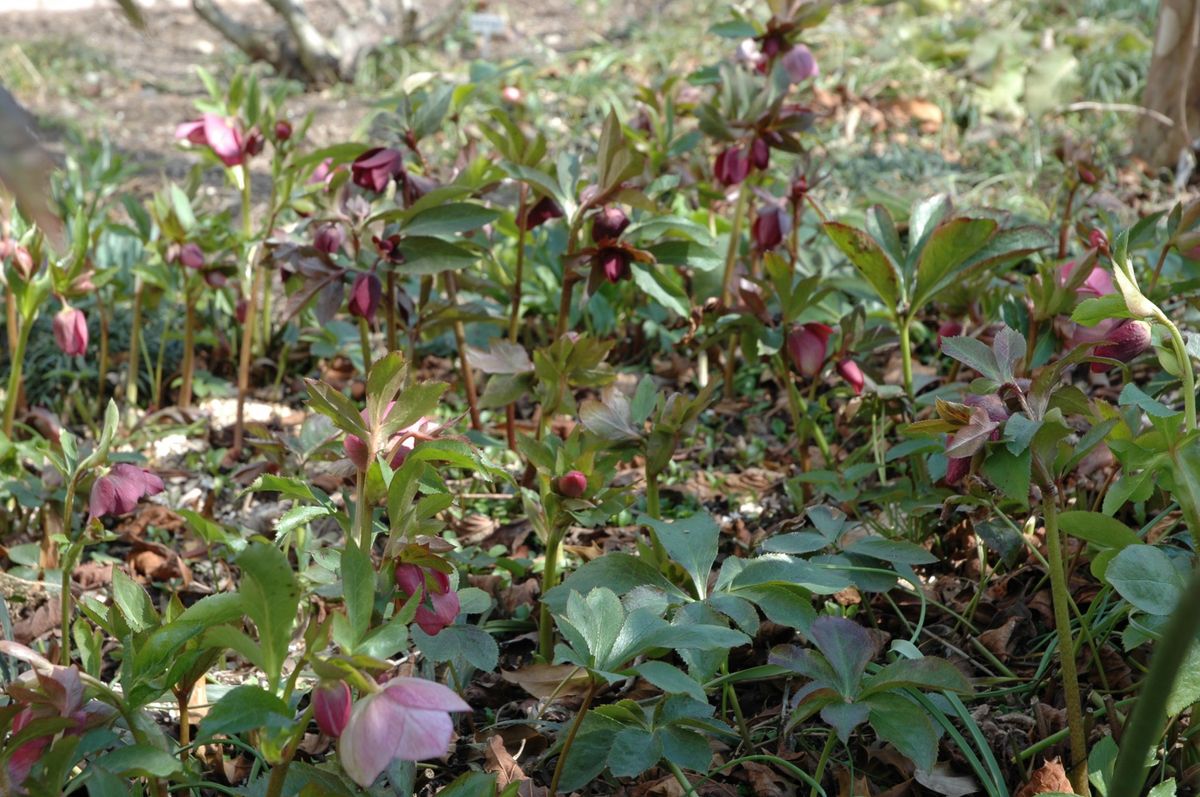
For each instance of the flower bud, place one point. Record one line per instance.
(70, 331)
(191, 256)
(572, 484)
(849, 370)
(328, 238)
(614, 263)
(1124, 343)
(760, 153)
(440, 612)
(1098, 240)
(22, 261)
(948, 329)
(283, 130)
(808, 347)
(511, 95)
(800, 64)
(731, 166)
(542, 211)
(331, 706)
(609, 224)
(767, 229)
(957, 469)
(798, 190)
(365, 295)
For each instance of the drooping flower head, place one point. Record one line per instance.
(375, 168)
(223, 137)
(808, 345)
(542, 211)
(853, 374)
(438, 604)
(331, 702)
(71, 331)
(118, 492)
(1124, 342)
(365, 295)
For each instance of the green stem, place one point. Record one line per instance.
(562, 757)
(549, 579)
(1066, 645)
(906, 357)
(390, 311)
(738, 714)
(823, 761)
(684, 783)
(364, 338)
(102, 368)
(1158, 267)
(14, 376)
(731, 253)
(135, 339)
(189, 351)
(279, 771)
(1186, 374)
(67, 564)
(363, 516)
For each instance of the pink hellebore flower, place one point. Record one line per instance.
(119, 491)
(365, 295)
(760, 153)
(375, 168)
(438, 605)
(849, 370)
(70, 331)
(614, 263)
(404, 441)
(1123, 343)
(224, 139)
(1098, 283)
(331, 702)
(191, 256)
(609, 224)
(808, 346)
(408, 719)
(768, 227)
(328, 238)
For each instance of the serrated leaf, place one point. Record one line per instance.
(870, 260)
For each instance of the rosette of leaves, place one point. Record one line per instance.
(845, 696)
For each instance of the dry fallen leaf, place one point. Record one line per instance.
(545, 681)
(1050, 778)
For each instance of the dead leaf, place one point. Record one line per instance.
(942, 781)
(500, 761)
(766, 781)
(546, 681)
(997, 639)
(852, 786)
(1050, 778)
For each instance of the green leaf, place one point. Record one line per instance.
(471, 784)
(449, 219)
(947, 248)
(925, 673)
(1090, 312)
(1098, 529)
(1186, 689)
(427, 255)
(272, 596)
(870, 260)
(685, 748)
(1019, 431)
(687, 253)
(847, 647)
(133, 601)
(653, 281)
(1133, 395)
(634, 750)
(906, 727)
(468, 643)
(1010, 473)
(245, 708)
(620, 572)
(691, 542)
(670, 679)
(1144, 576)
(358, 589)
(891, 550)
(139, 761)
(974, 354)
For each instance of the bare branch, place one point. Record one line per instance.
(256, 44)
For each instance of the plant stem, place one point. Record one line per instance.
(67, 563)
(389, 311)
(1064, 229)
(363, 516)
(244, 357)
(279, 771)
(562, 757)
(823, 761)
(1066, 645)
(14, 375)
(450, 282)
(564, 302)
(514, 317)
(135, 339)
(185, 730)
(684, 783)
(102, 369)
(364, 339)
(906, 357)
(731, 253)
(654, 510)
(549, 579)
(1158, 267)
(189, 351)
(1186, 374)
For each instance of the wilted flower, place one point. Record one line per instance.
(438, 605)
(408, 719)
(800, 64)
(767, 229)
(119, 491)
(71, 331)
(223, 138)
(1123, 343)
(375, 168)
(365, 295)
(849, 370)
(732, 165)
(609, 224)
(328, 238)
(572, 484)
(403, 441)
(542, 211)
(331, 702)
(283, 130)
(614, 263)
(808, 345)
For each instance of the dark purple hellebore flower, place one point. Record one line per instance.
(1125, 342)
(609, 224)
(808, 345)
(70, 331)
(283, 130)
(191, 256)
(768, 226)
(365, 295)
(328, 238)
(375, 168)
(731, 166)
(119, 491)
(614, 263)
(760, 153)
(542, 211)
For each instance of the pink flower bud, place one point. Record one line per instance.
(957, 469)
(800, 64)
(240, 309)
(768, 227)
(22, 261)
(365, 295)
(1124, 343)
(70, 331)
(542, 211)
(439, 613)
(572, 484)
(375, 168)
(808, 346)
(331, 702)
(328, 238)
(1098, 283)
(511, 94)
(849, 370)
(731, 166)
(948, 329)
(609, 224)
(1098, 240)
(614, 263)
(410, 579)
(283, 130)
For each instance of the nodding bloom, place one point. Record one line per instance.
(225, 139)
(572, 484)
(800, 64)
(438, 605)
(760, 153)
(808, 345)
(331, 702)
(408, 719)
(401, 444)
(849, 370)
(768, 227)
(365, 295)
(732, 165)
(375, 168)
(542, 211)
(958, 467)
(1123, 343)
(1098, 283)
(190, 255)
(328, 238)
(614, 263)
(323, 173)
(118, 492)
(608, 225)
(70, 331)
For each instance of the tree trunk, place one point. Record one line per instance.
(1172, 87)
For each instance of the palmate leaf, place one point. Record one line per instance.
(871, 261)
